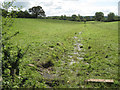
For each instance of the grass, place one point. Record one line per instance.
(103, 54)
(43, 30)
(51, 41)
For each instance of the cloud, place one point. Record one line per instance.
(59, 7)
(23, 4)
(69, 7)
(47, 3)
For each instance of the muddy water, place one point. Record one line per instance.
(71, 60)
(77, 49)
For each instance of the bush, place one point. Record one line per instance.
(11, 54)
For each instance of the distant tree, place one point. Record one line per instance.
(117, 18)
(69, 18)
(37, 11)
(99, 16)
(49, 17)
(111, 16)
(87, 18)
(64, 17)
(79, 19)
(74, 17)
(54, 17)
(93, 18)
(27, 15)
(61, 17)
(84, 21)
(21, 14)
(103, 19)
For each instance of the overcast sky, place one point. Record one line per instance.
(69, 7)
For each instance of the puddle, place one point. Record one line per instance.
(75, 37)
(51, 76)
(76, 53)
(80, 58)
(80, 32)
(78, 44)
(77, 49)
(87, 63)
(48, 76)
(70, 56)
(70, 62)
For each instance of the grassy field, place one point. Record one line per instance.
(52, 47)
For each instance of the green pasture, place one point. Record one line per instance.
(53, 40)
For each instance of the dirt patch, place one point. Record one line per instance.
(47, 64)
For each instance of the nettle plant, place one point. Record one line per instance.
(11, 54)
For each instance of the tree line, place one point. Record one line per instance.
(33, 12)
(38, 12)
(99, 16)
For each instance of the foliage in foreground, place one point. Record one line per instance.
(11, 54)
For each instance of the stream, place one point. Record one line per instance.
(76, 53)
(77, 48)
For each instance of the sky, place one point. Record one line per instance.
(70, 7)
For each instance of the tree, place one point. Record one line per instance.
(117, 18)
(79, 18)
(27, 15)
(87, 18)
(64, 17)
(11, 54)
(69, 18)
(61, 17)
(99, 16)
(37, 11)
(92, 18)
(13, 14)
(21, 14)
(84, 21)
(111, 17)
(74, 17)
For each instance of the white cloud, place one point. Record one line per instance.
(69, 7)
